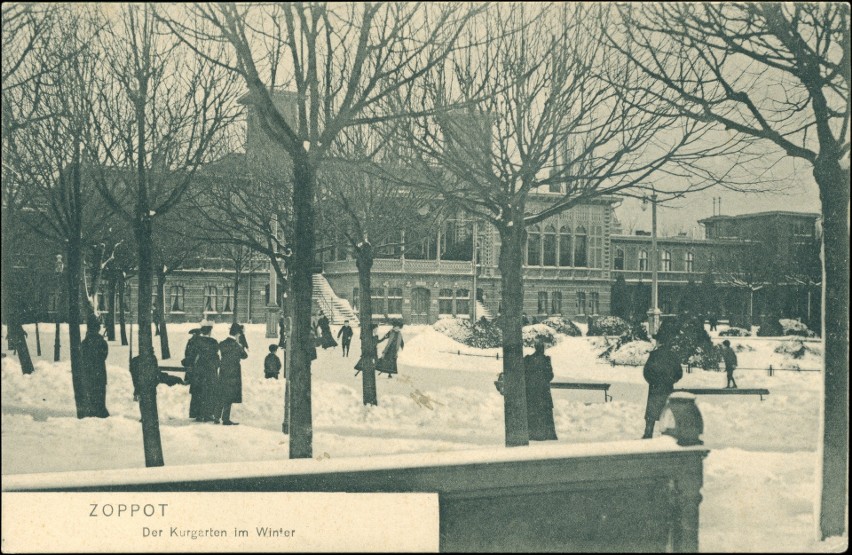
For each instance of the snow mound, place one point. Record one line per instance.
(634, 353)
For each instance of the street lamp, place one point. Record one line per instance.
(58, 268)
(654, 311)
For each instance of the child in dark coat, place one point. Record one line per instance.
(272, 364)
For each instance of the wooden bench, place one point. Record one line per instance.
(726, 391)
(172, 369)
(576, 385)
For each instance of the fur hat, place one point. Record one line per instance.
(205, 323)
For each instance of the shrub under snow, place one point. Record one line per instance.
(455, 328)
(540, 332)
(563, 326)
(794, 327)
(796, 349)
(608, 325)
(735, 332)
(634, 353)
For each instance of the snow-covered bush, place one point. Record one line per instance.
(608, 325)
(633, 353)
(485, 335)
(796, 349)
(735, 332)
(563, 326)
(689, 341)
(539, 332)
(770, 327)
(743, 348)
(455, 328)
(794, 327)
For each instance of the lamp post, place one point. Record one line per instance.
(57, 269)
(654, 311)
(272, 306)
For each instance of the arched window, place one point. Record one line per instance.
(534, 246)
(549, 246)
(667, 261)
(565, 246)
(176, 298)
(395, 300)
(689, 262)
(643, 260)
(210, 298)
(462, 302)
(580, 248)
(618, 263)
(542, 302)
(556, 303)
(445, 301)
(227, 299)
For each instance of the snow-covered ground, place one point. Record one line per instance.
(759, 477)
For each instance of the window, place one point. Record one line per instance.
(581, 302)
(689, 262)
(643, 261)
(227, 299)
(534, 247)
(542, 302)
(462, 301)
(580, 248)
(619, 259)
(667, 261)
(176, 298)
(565, 246)
(445, 301)
(210, 295)
(355, 299)
(395, 300)
(378, 297)
(550, 246)
(556, 303)
(594, 302)
(596, 247)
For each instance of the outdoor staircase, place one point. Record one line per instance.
(482, 311)
(338, 310)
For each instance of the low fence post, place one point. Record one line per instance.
(770, 370)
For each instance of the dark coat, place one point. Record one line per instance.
(326, 338)
(346, 332)
(93, 351)
(538, 375)
(730, 358)
(230, 371)
(204, 362)
(272, 366)
(387, 363)
(662, 371)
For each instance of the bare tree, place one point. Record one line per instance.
(778, 74)
(546, 108)
(162, 113)
(342, 60)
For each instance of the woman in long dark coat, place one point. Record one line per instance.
(94, 351)
(538, 373)
(387, 362)
(326, 339)
(662, 370)
(230, 374)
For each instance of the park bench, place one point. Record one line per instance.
(591, 386)
(725, 391)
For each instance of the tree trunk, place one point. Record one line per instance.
(165, 353)
(38, 340)
(364, 262)
(72, 275)
(235, 304)
(833, 182)
(16, 330)
(149, 373)
(301, 424)
(122, 284)
(511, 281)
(110, 317)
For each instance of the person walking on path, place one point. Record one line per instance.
(230, 386)
(713, 321)
(662, 371)
(272, 364)
(730, 358)
(190, 354)
(94, 351)
(538, 373)
(346, 339)
(387, 363)
(326, 339)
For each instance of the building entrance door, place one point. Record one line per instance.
(420, 298)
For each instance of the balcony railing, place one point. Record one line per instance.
(396, 265)
(678, 276)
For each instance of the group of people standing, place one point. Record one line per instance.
(214, 373)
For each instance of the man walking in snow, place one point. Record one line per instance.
(661, 372)
(230, 375)
(346, 339)
(730, 358)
